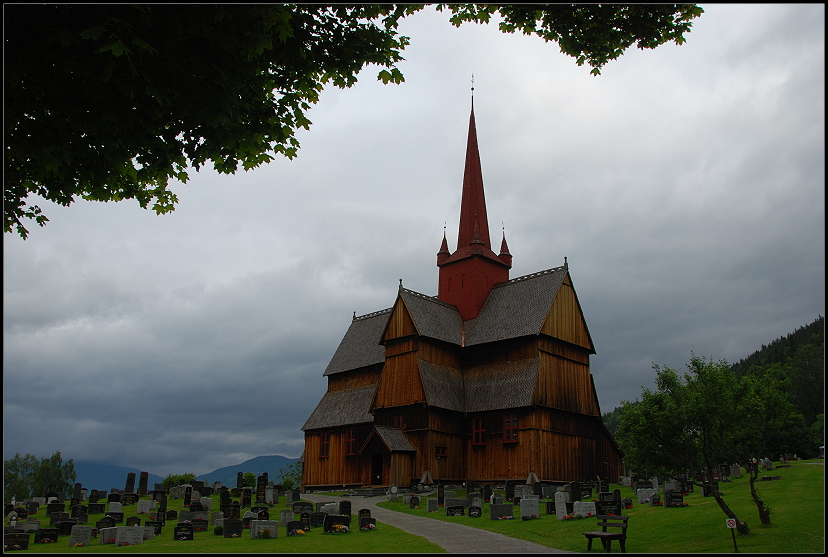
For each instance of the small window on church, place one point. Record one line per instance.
(510, 428)
(441, 452)
(478, 431)
(400, 421)
(324, 445)
(350, 443)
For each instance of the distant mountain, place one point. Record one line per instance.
(258, 465)
(93, 475)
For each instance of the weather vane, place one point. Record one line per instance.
(472, 89)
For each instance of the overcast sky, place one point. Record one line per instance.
(685, 185)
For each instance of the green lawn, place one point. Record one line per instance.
(797, 503)
(382, 540)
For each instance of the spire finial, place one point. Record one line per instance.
(401, 286)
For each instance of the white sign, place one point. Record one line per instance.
(731, 522)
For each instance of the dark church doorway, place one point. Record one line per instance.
(376, 469)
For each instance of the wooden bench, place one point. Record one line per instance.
(606, 537)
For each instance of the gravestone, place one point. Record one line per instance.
(574, 489)
(501, 511)
(586, 493)
(29, 525)
(271, 495)
(114, 507)
(258, 526)
(608, 508)
(294, 526)
(54, 518)
(414, 503)
(156, 525)
(305, 519)
(145, 506)
(548, 492)
(475, 511)
(15, 541)
(130, 483)
(233, 528)
(317, 520)
(196, 506)
(216, 515)
(605, 496)
(345, 507)
(367, 523)
(474, 499)
(302, 507)
(674, 499)
(510, 490)
(133, 521)
(644, 494)
(455, 510)
(583, 509)
(148, 532)
(262, 511)
(247, 497)
(113, 497)
(240, 480)
(188, 495)
(224, 497)
(55, 508)
(441, 494)
(655, 500)
(107, 535)
(105, 522)
(456, 502)
(143, 479)
(128, 499)
(118, 516)
(65, 527)
(616, 494)
(200, 524)
(285, 516)
(46, 535)
(172, 514)
(735, 470)
(183, 532)
(76, 492)
(235, 510)
(128, 536)
(333, 520)
(496, 499)
(432, 505)
(560, 505)
(529, 507)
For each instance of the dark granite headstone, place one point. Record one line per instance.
(46, 535)
(674, 499)
(364, 513)
(15, 541)
(188, 495)
(240, 480)
(457, 510)
(475, 512)
(233, 528)
(183, 532)
(105, 522)
(156, 524)
(130, 483)
(345, 507)
(332, 520)
(317, 520)
(143, 479)
(247, 497)
(510, 490)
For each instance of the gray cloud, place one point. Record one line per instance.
(685, 185)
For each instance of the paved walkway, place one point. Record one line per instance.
(454, 538)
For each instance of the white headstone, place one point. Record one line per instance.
(583, 509)
(645, 493)
(129, 535)
(256, 526)
(560, 505)
(530, 507)
(145, 506)
(115, 507)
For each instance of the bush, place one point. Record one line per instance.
(218, 530)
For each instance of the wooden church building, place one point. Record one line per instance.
(487, 381)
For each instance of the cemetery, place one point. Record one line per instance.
(559, 516)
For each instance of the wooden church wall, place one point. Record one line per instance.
(400, 323)
(400, 383)
(565, 384)
(565, 320)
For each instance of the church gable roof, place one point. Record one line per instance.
(393, 438)
(501, 385)
(433, 318)
(443, 386)
(343, 407)
(516, 308)
(360, 346)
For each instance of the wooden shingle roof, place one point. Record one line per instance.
(481, 388)
(443, 386)
(433, 318)
(343, 407)
(360, 346)
(516, 308)
(392, 437)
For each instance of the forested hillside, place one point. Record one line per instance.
(797, 362)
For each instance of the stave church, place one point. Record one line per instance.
(487, 381)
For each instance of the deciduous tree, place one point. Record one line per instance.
(112, 101)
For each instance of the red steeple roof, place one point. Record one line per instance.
(468, 274)
(474, 224)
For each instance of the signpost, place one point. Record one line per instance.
(731, 523)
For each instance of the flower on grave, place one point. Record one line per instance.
(79, 544)
(110, 541)
(589, 514)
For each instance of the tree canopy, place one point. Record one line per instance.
(25, 477)
(107, 102)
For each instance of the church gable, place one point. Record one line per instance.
(360, 347)
(400, 324)
(565, 321)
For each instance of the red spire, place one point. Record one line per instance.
(444, 252)
(474, 224)
(504, 255)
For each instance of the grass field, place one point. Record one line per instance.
(796, 501)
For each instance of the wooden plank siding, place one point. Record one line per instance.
(400, 384)
(400, 324)
(565, 384)
(336, 468)
(565, 320)
(356, 378)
